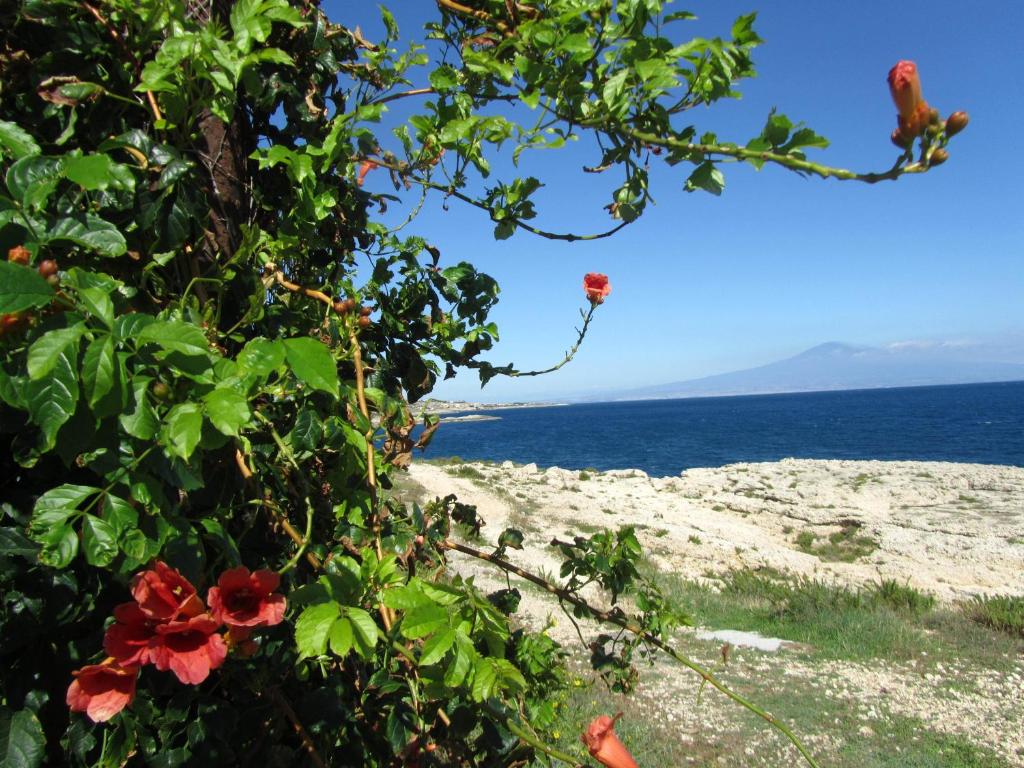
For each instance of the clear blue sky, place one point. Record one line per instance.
(703, 285)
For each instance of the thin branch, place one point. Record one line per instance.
(787, 161)
(402, 95)
(307, 743)
(619, 619)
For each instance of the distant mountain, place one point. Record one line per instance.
(835, 365)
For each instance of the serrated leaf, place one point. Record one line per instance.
(141, 421)
(227, 410)
(17, 141)
(99, 541)
(88, 231)
(365, 632)
(51, 401)
(261, 357)
(462, 662)
(706, 177)
(424, 620)
(308, 430)
(485, 679)
(175, 336)
(403, 598)
(312, 363)
(98, 369)
(97, 302)
(48, 348)
(341, 638)
(313, 629)
(22, 288)
(182, 429)
(436, 647)
(121, 515)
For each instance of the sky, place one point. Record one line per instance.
(777, 264)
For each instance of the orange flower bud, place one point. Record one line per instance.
(905, 87)
(939, 156)
(899, 139)
(956, 123)
(604, 745)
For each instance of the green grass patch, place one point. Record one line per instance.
(846, 545)
(1004, 613)
(888, 620)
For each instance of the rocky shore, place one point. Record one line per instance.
(944, 694)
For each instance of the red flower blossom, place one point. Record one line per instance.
(165, 594)
(243, 599)
(102, 690)
(190, 649)
(604, 745)
(905, 87)
(132, 638)
(596, 286)
(364, 168)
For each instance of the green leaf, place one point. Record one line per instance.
(422, 621)
(121, 515)
(308, 430)
(64, 498)
(34, 178)
(99, 541)
(312, 363)
(444, 78)
(22, 741)
(89, 231)
(97, 302)
(16, 141)
(341, 638)
(175, 336)
(485, 679)
(48, 348)
(98, 369)
(13, 543)
(777, 129)
(706, 177)
(141, 422)
(227, 410)
(365, 631)
(51, 401)
(462, 662)
(436, 647)
(90, 172)
(313, 629)
(22, 288)
(182, 429)
(261, 357)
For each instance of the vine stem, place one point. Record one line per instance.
(283, 705)
(787, 161)
(620, 620)
(568, 355)
(529, 738)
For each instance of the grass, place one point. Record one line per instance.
(844, 546)
(888, 620)
(466, 471)
(1004, 613)
(694, 539)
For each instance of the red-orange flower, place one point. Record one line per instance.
(166, 595)
(364, 168)
(102, 690)
(604, 745)
(596, 286)
(905, 87)
(243, 599)
(190, 648)
(132, 637)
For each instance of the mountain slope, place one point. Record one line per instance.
(835, 365)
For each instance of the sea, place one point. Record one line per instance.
(981, 423)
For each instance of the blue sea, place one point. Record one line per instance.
(966, 423)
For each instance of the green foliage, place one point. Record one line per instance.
(210, 353)
(1001, 612)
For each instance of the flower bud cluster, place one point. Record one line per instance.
(916, 119)
(169, 626)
